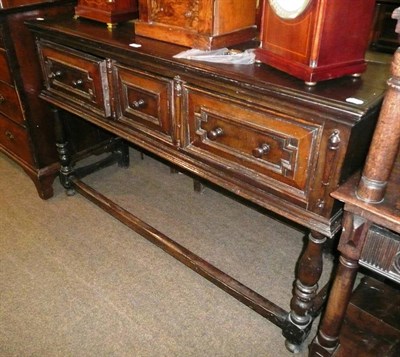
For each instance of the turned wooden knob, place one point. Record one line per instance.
(215, 133)
(138, 103)
(261, 150)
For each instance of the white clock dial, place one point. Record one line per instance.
(289, 9)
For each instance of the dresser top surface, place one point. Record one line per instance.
(352, 96)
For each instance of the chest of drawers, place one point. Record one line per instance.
(26, 127)
(251, 130)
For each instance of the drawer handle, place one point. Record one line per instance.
(263, 149)
(77, 83)
(9, 135)
(138, 103)
(2, 99)
(56, 74)
(215, 133)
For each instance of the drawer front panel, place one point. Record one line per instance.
(145, 102)
(5, 73)
(10, 104)
(78, 77)
(381, 252)
(15, 139)
(262, 145)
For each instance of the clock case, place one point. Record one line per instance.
(108, 11)
(328, 40)
(201, 24)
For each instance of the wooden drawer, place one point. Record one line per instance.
(145, 102)
(266, 148)
(15, 139)
(381, 252)
(76, 77)
(5, 73)
(10, 104)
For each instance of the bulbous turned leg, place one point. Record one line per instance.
(350, 246)
(327, 339)
(300, 318)
(63, 154)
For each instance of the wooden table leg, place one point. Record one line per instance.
(351, 243)
(306, 286)
(64, 153)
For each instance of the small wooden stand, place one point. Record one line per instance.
(110, 11)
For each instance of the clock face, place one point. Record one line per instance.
(289, 9)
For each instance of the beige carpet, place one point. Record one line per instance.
(76, 282)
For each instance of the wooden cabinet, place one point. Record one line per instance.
(252, 130)
(200, 24)
(26, 134)
(26, 125)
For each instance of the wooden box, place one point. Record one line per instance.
(108, 11)
(201, 24)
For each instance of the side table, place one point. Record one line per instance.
(371, 222)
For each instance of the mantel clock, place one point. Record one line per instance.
(316, 40)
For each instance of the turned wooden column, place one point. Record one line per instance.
(350, 245)
(385, 142)
(309, 271)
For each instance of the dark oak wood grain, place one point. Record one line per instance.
(252, 130)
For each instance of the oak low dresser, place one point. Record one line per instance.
(250, 129)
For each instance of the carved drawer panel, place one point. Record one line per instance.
(381, 252)
(15, 139)
(145, 102)
(261, 145)
(77, 77)
(10, 104)
(5, 73)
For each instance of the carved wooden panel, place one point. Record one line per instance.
(381, 252)
(145, 102)
(78, 77)
(262, 144)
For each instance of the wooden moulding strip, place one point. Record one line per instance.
(255, 301)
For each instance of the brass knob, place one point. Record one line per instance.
(263, 149)
(215, 133)
(138, 103)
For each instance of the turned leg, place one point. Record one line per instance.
(198, 186)
(63, 154)
(350, 246)
(300, 318)
(327, 339)
(123, 154)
